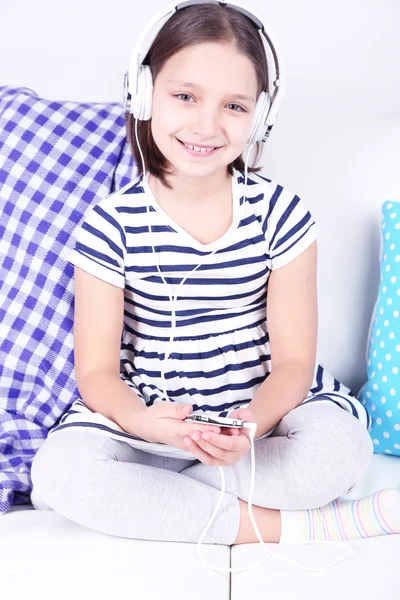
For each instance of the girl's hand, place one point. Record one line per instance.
(165, 422)
(225, 448)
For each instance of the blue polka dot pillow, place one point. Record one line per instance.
(381, 393)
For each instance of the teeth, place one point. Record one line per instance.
(199, 149)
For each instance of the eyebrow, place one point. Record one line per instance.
(193, 85)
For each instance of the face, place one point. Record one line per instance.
(204, 96)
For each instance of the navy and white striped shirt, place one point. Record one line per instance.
(220, 352)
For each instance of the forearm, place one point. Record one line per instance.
(107, 394)
(283, 390)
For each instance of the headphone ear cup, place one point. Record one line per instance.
(258, 127)
(141, 103)
(148, 94)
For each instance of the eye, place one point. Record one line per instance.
(237, 107)
(180, 95)
(241, 109)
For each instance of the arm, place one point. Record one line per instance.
(292, 317)
(98, 323)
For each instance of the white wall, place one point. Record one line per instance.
(340, 56)
(336, 141)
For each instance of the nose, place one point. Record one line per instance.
(206, 124)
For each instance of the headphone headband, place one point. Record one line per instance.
(269, 102)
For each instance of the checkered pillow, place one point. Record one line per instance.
(56, 160)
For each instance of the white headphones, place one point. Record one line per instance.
(138, 81)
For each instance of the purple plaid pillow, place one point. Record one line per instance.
(56, 160)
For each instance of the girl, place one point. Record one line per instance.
(236, 264)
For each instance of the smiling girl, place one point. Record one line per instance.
(238, 255)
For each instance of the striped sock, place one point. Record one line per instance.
(378, 514)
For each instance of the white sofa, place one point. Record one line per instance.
(46, 556)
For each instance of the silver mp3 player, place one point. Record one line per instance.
(219, 421)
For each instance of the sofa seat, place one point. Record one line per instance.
(372, 573)
(47, 556)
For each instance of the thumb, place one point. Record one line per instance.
(242, 413)
(186, 409)
(179, 411)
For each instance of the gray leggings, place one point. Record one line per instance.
(316, 453)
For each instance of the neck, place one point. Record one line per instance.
(192, 189)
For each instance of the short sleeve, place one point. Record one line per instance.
(101, 245)
(289, 227)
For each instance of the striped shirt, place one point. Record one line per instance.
(220, 352)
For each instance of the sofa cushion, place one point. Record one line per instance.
(370, 574)
(56, 160)
(62, 560)
(381, 393)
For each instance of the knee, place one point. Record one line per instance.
(63, 462)
(351, 447)
(338, 450)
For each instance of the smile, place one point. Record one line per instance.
(197, 150)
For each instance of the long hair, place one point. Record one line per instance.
(189, 26)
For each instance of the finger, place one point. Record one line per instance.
(205, 428)
(202, 428)
(242, 413)
(223, 443)
(226, 457)
(246, 414)
(213, 428)
(216, 452)
(203, 456)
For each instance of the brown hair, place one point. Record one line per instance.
(192, 25)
